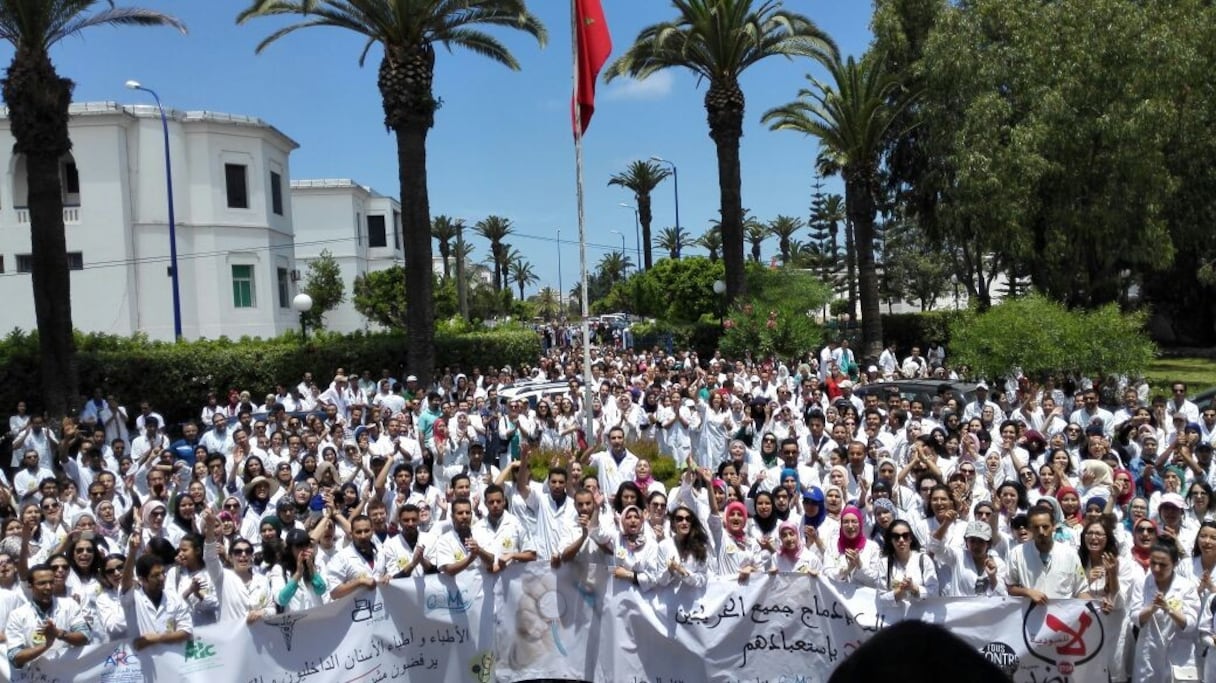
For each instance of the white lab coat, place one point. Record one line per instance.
(1161, 644)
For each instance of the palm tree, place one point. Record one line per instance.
(718, 40)
(495, 229)
(443, 229)
(38, 99)
(408, 30)
(548, 302)
(641, 177)
(613, 266)
(755, 232)
(851, 117)
(673, 241)
(711, 241)
(522, 274)
(783, 228)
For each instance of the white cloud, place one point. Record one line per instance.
(656, 87)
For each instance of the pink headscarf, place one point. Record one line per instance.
(730, 507)
(843, 543)
(790, 554)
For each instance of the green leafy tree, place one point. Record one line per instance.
(778, 317)
(613, 266)
(1043, 338)
(641, 178)
(324, 284)
(407, 31)
(38, 98)
(677, 291)
(674, 241)
(443, 229)
(718, 40)
(548, 303)
(496, 229)
(850, 116)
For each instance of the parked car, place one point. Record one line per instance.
(533, 392)
(1205, 398)
(924, 389)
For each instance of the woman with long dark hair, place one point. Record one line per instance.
(296, 583)
(686, 551)
(763, 524)
(905, 573)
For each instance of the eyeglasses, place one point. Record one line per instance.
(157, 513)
(1145, 530)
(1027, 473)
(51, 506)
(232, 506)
(82, 551)
(681, 518)
(968, 470)
(769, 438)
(902, 536)
(658, 504)
(240, 552)
(114, 570)
(1095, 534)
(790, 451)
(59, 567)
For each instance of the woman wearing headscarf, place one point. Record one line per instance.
(738, 554)
(791, 555)
(763, 524)
(635, 559)
(852, 553)
(1071, 511)
(1097, 479)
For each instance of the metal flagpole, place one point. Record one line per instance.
(582, 227)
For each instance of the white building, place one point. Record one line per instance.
(360, 228)
(233, 214)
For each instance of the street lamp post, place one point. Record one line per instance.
(561, 310)
(637, 233)
(675, 177)
(302, 304)
(173, 271)
(720, 289)
(618, 233)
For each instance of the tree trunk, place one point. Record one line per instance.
(444, 252)
(724, 105)
(862, 211)
(645, 218)
(405, 78)
(850, 262)
(38, 101)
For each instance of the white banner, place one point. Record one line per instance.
(575, 624)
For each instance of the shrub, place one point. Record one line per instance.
(175, 378)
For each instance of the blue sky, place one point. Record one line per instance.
(502, 141)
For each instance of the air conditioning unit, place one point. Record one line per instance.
(295, 275)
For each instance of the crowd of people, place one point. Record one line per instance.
(121, 526)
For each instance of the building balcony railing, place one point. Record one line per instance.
(71, 215)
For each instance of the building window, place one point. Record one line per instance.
(284, 289)
(242, 287)
(25, 262)
(397, 230)
(276, 193)
(1, 263)
(71, 182)
(234, 182)
(376, 236)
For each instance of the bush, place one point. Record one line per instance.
(1043, 338)
(918, 329)
(175, 378)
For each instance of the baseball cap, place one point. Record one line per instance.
(978, 530)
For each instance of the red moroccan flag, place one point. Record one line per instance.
(594, 46)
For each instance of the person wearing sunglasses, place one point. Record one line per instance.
(242, 593)
(904, 573)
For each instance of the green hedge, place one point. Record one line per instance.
(175, 378)
(918, 329)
